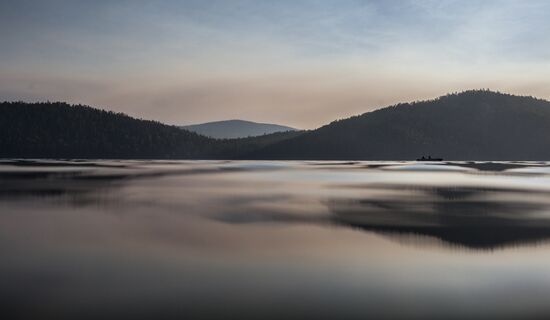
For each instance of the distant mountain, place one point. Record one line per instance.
(472, 125)
(235, 129)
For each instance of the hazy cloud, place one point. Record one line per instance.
(301, 63)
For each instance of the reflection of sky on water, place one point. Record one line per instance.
(279, 239)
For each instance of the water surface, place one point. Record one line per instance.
(238, 239)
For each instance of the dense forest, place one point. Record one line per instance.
(60, 130)
(472, 125)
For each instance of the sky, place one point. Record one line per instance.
(292, 62)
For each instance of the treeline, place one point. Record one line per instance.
(471, 125)
(60, 130)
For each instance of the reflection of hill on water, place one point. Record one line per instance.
(482, 213)
(478, 218)
(483, 238)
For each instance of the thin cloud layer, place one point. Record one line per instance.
(299, 63)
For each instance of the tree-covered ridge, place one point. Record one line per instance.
(61, 130)
(242, 148)
(471, 125)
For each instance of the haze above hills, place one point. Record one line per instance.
(472, 125)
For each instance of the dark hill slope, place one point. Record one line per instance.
(240, 147)
(60, 130)
(472, 125)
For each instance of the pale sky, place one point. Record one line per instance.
(297, 63)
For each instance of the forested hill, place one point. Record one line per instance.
(472, 125)
(60, 130)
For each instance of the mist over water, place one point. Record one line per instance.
(259, 239)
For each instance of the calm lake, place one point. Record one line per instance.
(254, 239)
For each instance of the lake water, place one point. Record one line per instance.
(238, 239)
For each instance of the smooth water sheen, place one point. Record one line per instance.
(236, 240)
